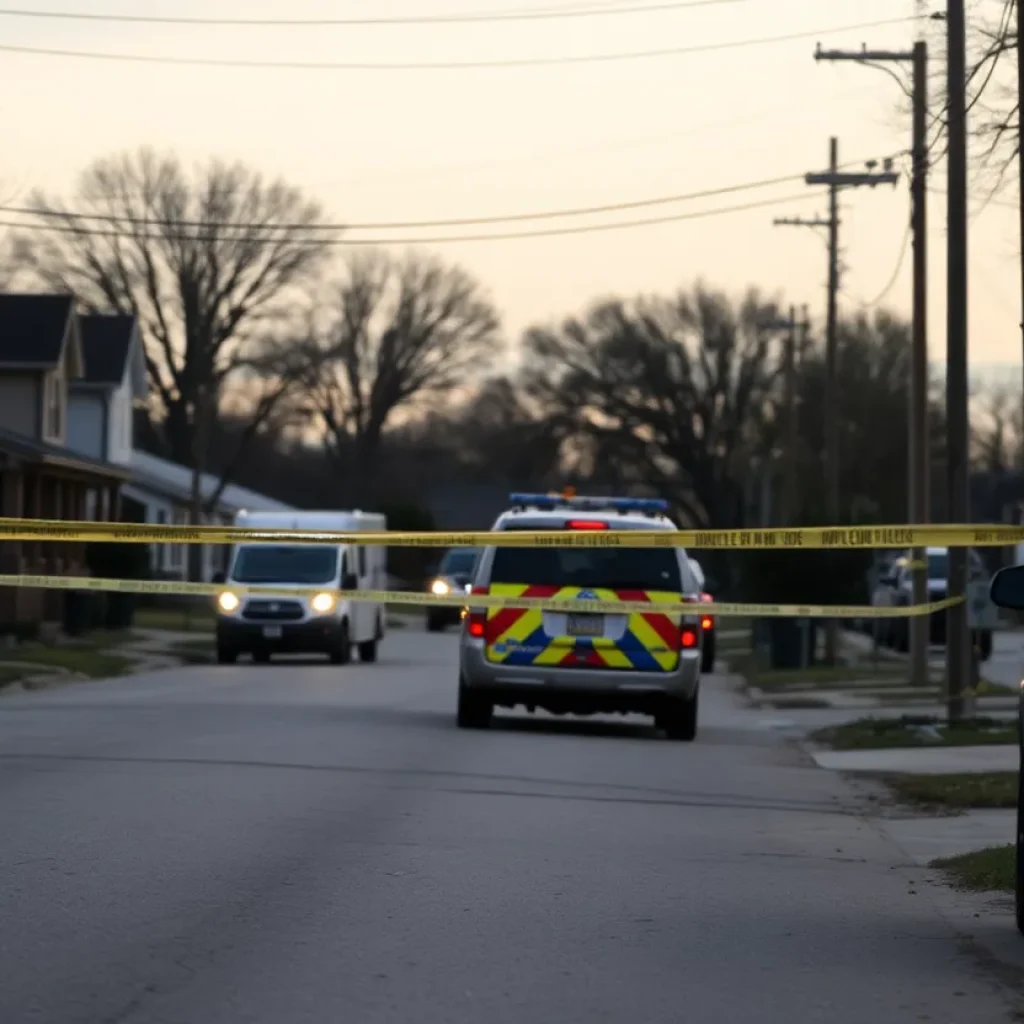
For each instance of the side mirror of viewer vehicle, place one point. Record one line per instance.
(1007, 588)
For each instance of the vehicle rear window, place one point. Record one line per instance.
(459, 560)
(612, 568)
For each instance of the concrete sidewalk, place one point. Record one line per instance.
(925, 839)
(921, 760)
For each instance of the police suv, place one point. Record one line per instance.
(582, 664)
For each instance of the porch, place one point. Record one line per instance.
(41, 481)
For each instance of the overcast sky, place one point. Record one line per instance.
(380, 145)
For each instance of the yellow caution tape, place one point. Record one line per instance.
(690, 608)
(810, 537)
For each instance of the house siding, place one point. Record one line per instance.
(172, 559)
(86, 416)
(119, 423)
(54, 411)
(19, 403)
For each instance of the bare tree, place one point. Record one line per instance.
(398, 332)
(211, 264)
(992, 102)
(676, 392)
(993, 87)
(996, 427)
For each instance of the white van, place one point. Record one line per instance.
(308, 623)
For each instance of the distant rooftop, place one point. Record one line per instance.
(33, 329)
(154, 473)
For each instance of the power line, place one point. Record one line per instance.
(439, 240)
(138, 58)
(991, 200)
(452, 18)
(578, 211)
(894, 278)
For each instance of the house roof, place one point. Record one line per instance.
(30, 449)
(151, 473)
(107, 346)
(34, 329)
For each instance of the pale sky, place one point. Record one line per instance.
(379, 145)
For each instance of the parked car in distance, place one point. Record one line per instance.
(895, 587)
(453, 575)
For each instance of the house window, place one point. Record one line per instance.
(54, 411)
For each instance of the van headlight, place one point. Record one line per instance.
(228, 602)
(322, 603)
(439, 587)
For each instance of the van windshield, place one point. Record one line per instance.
(612, 568)
(271, 563)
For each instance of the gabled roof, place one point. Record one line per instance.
(151, 473)
(110, 346)
(34, 331)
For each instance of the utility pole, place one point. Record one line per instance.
(918, 497)
(792, 451)
(1020, 134)
(836, 180)
(958, 653)
(796, 332)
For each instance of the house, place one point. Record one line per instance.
(41, 477)
(160, 492)
(101, 402)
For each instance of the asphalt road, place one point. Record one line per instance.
(299, 843)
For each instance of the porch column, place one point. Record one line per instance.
(58, 555)
(114, 503)
(32, 503)
(12, 497)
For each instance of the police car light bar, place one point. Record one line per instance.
(591, 504)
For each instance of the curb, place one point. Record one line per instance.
(754, 695)
(31, 684)
(757, 698)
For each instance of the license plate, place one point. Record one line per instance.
(585, 625)
(272, 632)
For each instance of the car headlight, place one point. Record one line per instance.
(439, 587)
(228, 602)
(322, 603)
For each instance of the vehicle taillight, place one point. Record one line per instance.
(688, 638)
(707, 623)
(586, 524)
(476, 622)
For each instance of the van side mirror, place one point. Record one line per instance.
(350, 581)
(219, 578)
(1007, 588)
